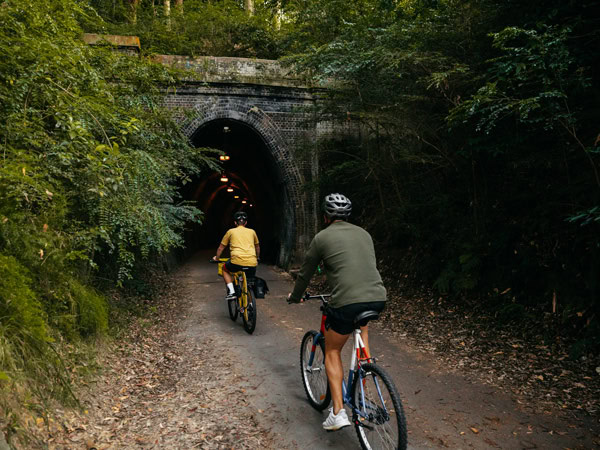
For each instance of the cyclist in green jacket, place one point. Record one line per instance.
(348, 257)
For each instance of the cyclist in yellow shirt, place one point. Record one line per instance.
(244, 248)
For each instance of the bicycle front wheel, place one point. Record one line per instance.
(314, 376)
(249, 315)
(378, 414)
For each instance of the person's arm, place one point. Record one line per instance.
(256, 245)
(311, 261)
(219, 251)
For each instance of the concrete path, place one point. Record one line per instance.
(444, 410)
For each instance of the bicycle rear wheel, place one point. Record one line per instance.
(232, 305)
(314, 377)
(380, 421)
(249, 315)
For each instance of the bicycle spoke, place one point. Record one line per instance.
(312, 367)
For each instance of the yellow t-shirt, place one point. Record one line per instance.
(241, 241)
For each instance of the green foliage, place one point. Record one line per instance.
(92, 312)
(532, 80)
(477, 144)
(86, 143)
(587, 217)
(460, 275)
(21, 314)
(89, 164)
(220, 28)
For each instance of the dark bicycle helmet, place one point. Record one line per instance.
(240, 216)
(337, 206)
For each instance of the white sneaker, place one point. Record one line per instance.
(334, 422)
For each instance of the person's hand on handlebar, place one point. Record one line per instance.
(289, 299)
(302, 299)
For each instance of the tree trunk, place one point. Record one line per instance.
(133, 4)
(167, 9)
(278, 13)
(179, 7)
(250, 7)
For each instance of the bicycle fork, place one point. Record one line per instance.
(365, 410)
(311, 358)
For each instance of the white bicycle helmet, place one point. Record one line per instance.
(337, 206)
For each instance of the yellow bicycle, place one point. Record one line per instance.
(244, 304)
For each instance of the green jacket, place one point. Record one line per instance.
(348, 256)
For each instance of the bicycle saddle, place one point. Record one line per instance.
(363, 318)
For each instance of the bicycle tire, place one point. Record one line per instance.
(385, 423)
(314, 381)
(250, 313)
(232, 305)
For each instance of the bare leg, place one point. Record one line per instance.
(334, 342)
(227, 276)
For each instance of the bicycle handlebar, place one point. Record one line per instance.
(220, 260)
(307, 296)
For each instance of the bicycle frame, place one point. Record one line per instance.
(360, 355)
(239, 279)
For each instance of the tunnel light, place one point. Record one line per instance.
(224, 157)
(224, 178)
(236, 196)
(250, 205)
(226, 130)
(229, 189)
(244, 202)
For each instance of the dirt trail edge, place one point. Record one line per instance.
(198, 380)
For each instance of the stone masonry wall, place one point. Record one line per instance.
(282, 116)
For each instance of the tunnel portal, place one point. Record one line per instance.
(262, 114)
(250, 181)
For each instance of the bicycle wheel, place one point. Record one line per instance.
(249, 315)
(314, 377)
(232, 305)
(380, 420)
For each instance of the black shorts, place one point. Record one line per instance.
(232, 268)
(341, 320)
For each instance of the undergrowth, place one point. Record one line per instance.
(43, 367)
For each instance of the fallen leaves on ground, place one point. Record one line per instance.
(161, 390)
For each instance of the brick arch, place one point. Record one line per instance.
(296, 227)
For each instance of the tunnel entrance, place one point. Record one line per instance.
(251, 181)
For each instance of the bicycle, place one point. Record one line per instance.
(377, 412)
(244, 304)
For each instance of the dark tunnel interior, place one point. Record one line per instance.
(251, 181)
